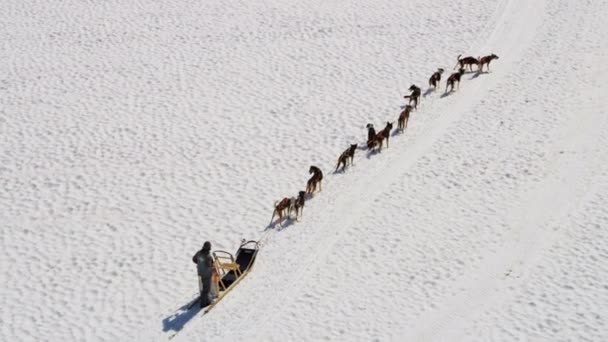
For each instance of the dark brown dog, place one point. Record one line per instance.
(435, 78)
(280, 207)
(348, 154)
(317, 177)
(455, 77)
(486, 60)
(299, 205)
(414, 96)
(404, 117)
(383, 134)
(469, 60)
(371, 132)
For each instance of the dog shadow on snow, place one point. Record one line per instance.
(428, 92)
(372, 153)
(446, 94)
(476, 74)
(279, 227)
(178, 319)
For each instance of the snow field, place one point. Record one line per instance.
(131, 132)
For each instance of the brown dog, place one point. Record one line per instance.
(299, 205)
(455, 77)
(469, 60)
(280, 207)
(414, 96)
(435, 78)
(486, 60)
(317, 177)
(348, 154)
(404, 117)
(383, 134)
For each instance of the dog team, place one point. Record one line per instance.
(285, 207)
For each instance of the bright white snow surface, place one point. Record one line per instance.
(132, 131)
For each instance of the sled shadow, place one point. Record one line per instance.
(177, 320)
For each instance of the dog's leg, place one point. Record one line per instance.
(272, 218)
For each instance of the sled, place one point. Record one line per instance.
(231, 269)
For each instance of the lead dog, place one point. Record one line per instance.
(486, 60)
(469, 60)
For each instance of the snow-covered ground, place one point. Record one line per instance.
(133, 131)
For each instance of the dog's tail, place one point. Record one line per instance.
(457, 61)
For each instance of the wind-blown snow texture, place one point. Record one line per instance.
(132, 131)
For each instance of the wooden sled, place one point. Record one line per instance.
(232, 269)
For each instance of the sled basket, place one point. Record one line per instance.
(230, 268)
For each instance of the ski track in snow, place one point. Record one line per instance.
(130, 132)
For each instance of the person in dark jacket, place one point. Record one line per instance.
(204, 267)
